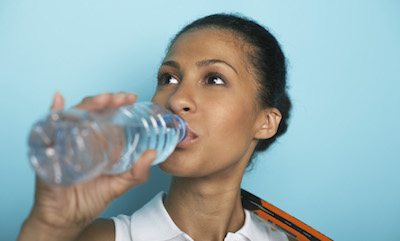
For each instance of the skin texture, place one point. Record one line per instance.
(206, 79)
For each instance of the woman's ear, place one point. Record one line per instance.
(268, 124)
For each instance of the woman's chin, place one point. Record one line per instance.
(178, 167)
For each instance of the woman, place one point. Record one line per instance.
(226, 76)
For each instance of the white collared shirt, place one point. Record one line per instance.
(153, 223)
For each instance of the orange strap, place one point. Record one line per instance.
(294, 228)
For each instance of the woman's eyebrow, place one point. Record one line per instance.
(201, 63)
(172, 64)
(213, 61)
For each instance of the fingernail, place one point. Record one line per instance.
(153, 154)
(56, 93)
(57, 100)
(121, 95)
(131, 96)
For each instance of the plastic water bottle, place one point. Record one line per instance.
(73, 146)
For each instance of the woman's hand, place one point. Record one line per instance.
(61, 213)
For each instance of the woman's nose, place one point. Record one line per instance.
(182, 100)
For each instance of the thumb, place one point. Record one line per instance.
(138, 174)
(58, 102)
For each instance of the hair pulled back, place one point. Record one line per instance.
(266, 57)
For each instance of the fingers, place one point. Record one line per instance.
(140, 170)
(138, 174)
(58, 102)
(107, 100)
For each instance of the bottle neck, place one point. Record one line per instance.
(182, 125)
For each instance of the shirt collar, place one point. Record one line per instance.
(253, 229)
(152, 222)
(154, 214)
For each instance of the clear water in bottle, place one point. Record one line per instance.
(73, 146)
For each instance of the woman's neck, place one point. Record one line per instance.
(206, 208)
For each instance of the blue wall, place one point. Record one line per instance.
(337, 167)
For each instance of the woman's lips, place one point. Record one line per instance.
(190, 137)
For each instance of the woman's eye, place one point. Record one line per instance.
(215, 80)
(168, 79)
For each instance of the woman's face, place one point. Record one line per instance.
(205, 78)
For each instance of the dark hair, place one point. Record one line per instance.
(268, 60)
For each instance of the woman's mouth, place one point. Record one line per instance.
(190, 137)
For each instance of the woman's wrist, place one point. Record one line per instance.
(35, 229)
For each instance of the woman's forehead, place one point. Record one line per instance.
(209, 43)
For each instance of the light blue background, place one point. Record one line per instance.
(337, 167)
